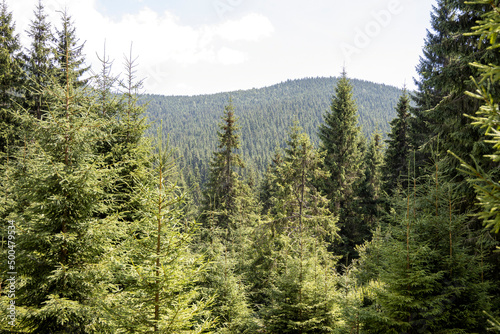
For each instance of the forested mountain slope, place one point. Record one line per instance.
(264, 114)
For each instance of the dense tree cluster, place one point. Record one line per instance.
(303, 222)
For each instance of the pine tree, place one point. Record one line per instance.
(342, 142)
(39, 64)
(398, 147)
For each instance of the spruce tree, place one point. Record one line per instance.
(39, 64)
(398, 147)
(154, 264)
(227, 216)
(424, 267)
(12, 79)
(486, 117)
(342, 142)
(224, 185)
(441, 103)
(370, 190)
(125, 148)
(300, 284)
(60, 185)
(69, 57)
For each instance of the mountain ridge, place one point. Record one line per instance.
(264, 114)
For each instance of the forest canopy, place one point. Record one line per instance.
(320, 205)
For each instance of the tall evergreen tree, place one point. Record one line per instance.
(340, 139)
(39, 63)
(302, 289)
(11, 79)
(426, 264)
(442, 105)
(227, 215)
(444, 76)
(398, 147)
(69, 57)
(342, 142)
(224, 185)
(154, 264)
(370, 190)
(60, 193)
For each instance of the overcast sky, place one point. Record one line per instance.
(187, 47)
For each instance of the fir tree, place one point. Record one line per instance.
(370, 190)
(427, 270)
(340, 138)
(444, 77)
(486, 117)
(227, 215)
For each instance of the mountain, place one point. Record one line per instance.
(265, 114)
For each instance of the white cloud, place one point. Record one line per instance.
(229, 56)
(262, 43)
(157, 38)
(252, 27)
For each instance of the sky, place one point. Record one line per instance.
(191, 47)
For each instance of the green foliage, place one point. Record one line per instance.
(59, 186)
(106, 238)
(300, 286)
(303, 296)
(69, 59)
(223, 183)
(340, 139)
(343, 145)
(39, 61)
(224, 281)
(369, 192)
(398, 147)
(487, 188)
(445, 73)
(154, 263)
(427, 271)
(11, 80)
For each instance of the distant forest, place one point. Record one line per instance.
(264, 115)
(321, 205)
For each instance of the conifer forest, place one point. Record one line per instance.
(320, 205)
